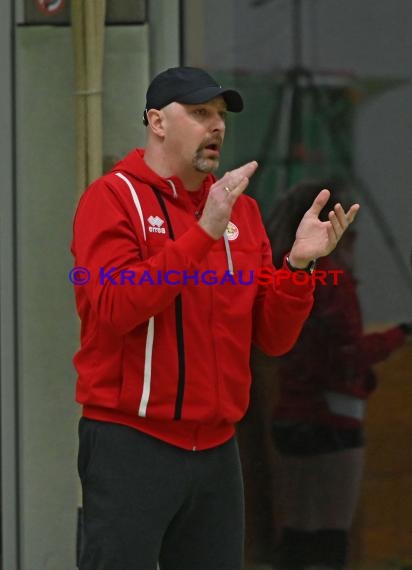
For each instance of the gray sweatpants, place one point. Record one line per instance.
(147, 502)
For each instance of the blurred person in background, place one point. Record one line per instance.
(324, 382)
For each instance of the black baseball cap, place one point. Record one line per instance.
(189, 85)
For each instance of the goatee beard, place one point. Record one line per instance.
(205, 165)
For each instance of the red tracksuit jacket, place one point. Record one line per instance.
(172, 360)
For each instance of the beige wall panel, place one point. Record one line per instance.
(48, 328)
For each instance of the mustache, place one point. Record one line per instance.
(216, 140)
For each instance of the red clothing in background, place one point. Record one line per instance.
(332, 354)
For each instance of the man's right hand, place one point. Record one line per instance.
(222, 196)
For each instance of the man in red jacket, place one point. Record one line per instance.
(169, 312)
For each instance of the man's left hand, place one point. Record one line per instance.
(316, 239)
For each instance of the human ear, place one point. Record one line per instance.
(155, 119)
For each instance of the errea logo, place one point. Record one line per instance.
(156, 224)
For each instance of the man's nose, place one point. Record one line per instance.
(219, 124)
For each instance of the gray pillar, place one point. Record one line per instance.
(8, 353)
(164, 34)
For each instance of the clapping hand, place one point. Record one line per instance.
(315, 238)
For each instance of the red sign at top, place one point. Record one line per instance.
(50, 6)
